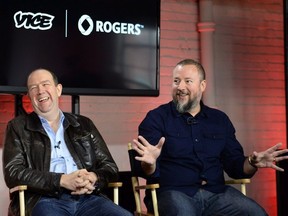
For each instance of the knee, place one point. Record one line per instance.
(254, 208)
(174, 203)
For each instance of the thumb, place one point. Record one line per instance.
(161, 143)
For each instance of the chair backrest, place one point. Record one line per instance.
(134, 164)
(137, 172)
(134, 177)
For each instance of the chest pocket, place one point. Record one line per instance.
(37, 151)
(213, 144)
(178, 143)
(84, 148)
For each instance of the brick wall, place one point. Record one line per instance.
(249, 81)
(249, 57)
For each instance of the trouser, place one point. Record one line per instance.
(83, 205)
(204, 203)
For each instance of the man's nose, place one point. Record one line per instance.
(181, 85)
(40, 89)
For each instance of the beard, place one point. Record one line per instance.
(186, 107)
(183, 107)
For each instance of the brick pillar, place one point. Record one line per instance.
(206, 29)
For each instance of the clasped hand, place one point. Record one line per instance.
(79, 182)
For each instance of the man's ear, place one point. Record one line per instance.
(203, 85)
(59, 89)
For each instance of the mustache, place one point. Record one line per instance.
(180, 92)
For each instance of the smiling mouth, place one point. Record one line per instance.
(181, 94)
(43, 99)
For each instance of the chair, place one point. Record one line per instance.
(152, 187)
(241, 182)
(137, 187)
(21, 190)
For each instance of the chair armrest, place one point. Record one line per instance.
(21, 189)
(238, 181)
(115, 186)
(241, 182)
(18, 188)
(148, 186)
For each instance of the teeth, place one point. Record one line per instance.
(42, 99)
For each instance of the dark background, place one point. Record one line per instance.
(98, 64)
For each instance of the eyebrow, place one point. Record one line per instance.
(44, 81)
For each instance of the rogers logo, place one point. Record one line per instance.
(30, 20)
(108, 27)
(80, 26)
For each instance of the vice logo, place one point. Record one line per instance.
(34, 21)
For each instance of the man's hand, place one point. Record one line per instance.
(148, 153)
(269, 157)
(79, 182)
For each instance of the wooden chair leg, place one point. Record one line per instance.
(21, 189)
(22, 202)
(115, 186)
(155, 204)
(243, 188)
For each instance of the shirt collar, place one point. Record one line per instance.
(44, 121)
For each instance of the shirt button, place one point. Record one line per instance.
(196, 140)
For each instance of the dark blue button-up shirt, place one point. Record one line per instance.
(196, 149)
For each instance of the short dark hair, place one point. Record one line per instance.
(196, 64)
(54, 77)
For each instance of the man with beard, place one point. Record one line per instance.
(186, 146)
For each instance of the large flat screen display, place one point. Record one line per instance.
(100, 47)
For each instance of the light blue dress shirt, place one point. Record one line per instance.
(61, 159)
